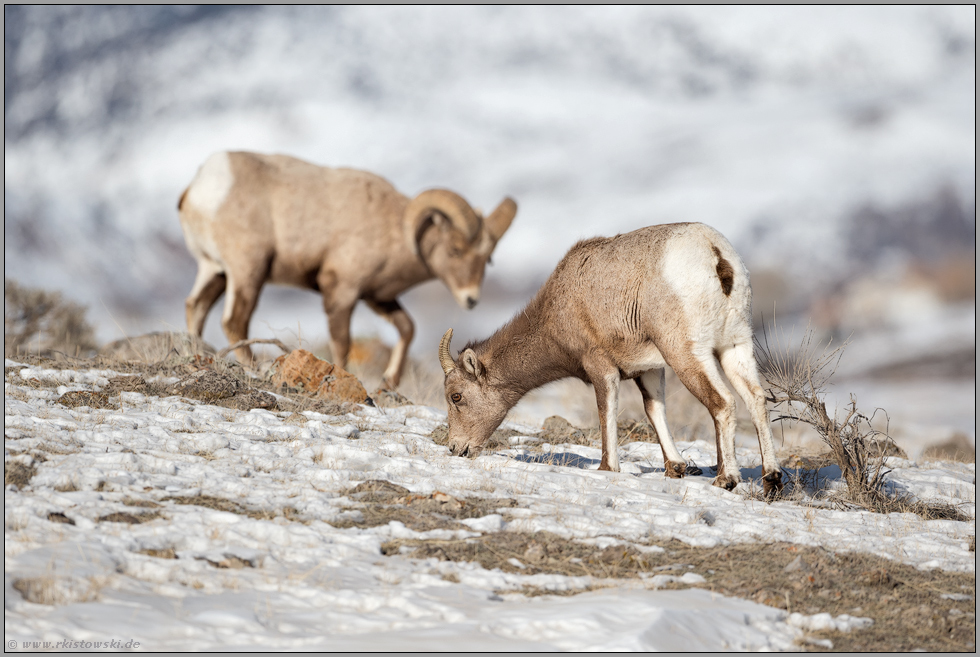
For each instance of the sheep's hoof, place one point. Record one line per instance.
(772, 484)
(727, 482)
(674, 470)
(604, 465)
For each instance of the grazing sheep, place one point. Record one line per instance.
(250, 218)
(620, 308)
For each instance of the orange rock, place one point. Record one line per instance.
(301, 369)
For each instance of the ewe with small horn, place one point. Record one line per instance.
(621, 308)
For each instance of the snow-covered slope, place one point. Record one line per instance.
(290, 580)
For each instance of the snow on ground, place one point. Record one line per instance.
(311, 586)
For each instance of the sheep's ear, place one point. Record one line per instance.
(499, 220)
(472, 364)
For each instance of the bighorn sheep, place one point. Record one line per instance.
(250, 218)
(620, 308)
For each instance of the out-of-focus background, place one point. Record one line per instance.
(834, 146)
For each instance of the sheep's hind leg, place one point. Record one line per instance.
(394, 313)
(702, 377)
(652, 387)
(741, 369)
(208, 286)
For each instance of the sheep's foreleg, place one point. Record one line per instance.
(652, 386)
(606, 387)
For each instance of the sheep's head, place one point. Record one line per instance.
(476, 408)
(454, 240)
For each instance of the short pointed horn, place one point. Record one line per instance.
(444, 358)
(451, 204)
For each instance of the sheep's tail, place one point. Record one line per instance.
(725, 271)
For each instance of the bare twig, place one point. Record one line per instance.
(245, 343)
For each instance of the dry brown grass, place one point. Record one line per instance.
(52, 590)
(230, 506)
(905, 603)
(380, 502)
(17, 474)
(58, 517)
(130, 518)
(165, 553)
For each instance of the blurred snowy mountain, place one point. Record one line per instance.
(822, 141)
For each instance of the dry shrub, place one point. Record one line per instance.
(796, 382)
(42, 322)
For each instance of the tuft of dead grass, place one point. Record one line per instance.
(230, 506)
(52, 590)
(57, 516)
(79, 398)
(380, 502)
(130, 518)
(17, 474)
(164, 553)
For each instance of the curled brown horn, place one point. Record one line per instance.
(444, 358)
(451, 204)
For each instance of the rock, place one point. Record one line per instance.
(557, 427)
(797, 564)
(301, 369)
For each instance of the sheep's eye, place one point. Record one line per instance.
(456, 397)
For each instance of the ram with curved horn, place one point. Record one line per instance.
(250, 218)
(624, 308)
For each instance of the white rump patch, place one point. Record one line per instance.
(211, 185)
